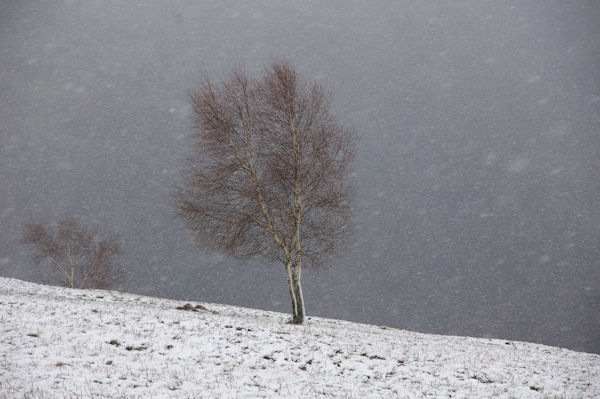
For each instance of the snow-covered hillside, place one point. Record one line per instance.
(57, 343)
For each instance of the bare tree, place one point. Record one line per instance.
(269, 172)
(77, 256)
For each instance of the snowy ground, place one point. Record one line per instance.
(57, 343)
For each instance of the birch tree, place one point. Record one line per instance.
(269, 172)
(74, 256)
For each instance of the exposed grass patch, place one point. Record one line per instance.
(141, 347)
(372, 357)
(483, 379)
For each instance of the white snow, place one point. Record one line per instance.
(61, 343)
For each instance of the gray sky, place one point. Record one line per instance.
(477, 172)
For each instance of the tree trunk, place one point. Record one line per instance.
(288, 273)
(293, 273)
(296, 271)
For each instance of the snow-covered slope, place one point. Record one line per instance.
(57, 343)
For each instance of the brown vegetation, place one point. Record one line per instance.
(78, 256)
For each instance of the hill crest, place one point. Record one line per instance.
(57, 342)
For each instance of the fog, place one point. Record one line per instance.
(477, 174)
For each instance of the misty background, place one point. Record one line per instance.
(477, 174)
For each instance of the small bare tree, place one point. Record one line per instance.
(78, 256)
(269, 172)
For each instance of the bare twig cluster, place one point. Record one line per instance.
(77, 256)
